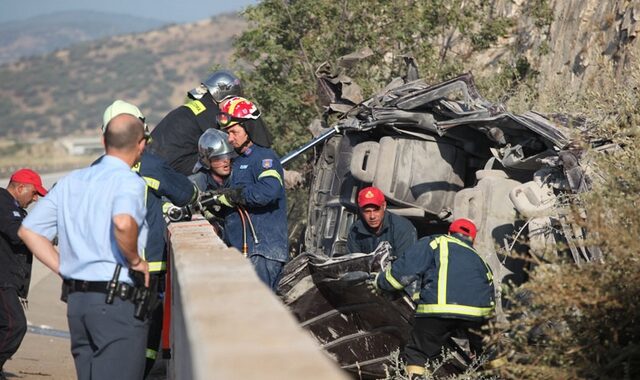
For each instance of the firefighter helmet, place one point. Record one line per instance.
(220, 84)
(463, 226)
(212, 144)
(235, 110)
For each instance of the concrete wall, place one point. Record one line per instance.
(226, 324)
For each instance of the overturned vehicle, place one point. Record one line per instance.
(437, 152)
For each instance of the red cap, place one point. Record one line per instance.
(31, 177)
(370, 196)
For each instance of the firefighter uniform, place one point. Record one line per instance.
(258, 172)
(455, 292)
(397, 230)
(161, 181)
(175, 138)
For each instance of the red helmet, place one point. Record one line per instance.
(235, 110)
(463, 226)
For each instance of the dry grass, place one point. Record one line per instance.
(583, 322)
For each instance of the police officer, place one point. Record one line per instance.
(162, 181)
(456, 292)
(256, 189)
(376, 225)
(24, 188)
(175, 138)
(98, 214)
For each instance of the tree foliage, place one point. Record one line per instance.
(289, 40)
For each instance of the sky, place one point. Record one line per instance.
(165, 10)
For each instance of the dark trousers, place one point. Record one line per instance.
(107, 342)
(269, 271)
(155, 326)
(430, 334)
(13, 323)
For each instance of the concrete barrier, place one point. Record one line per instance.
(226, 324)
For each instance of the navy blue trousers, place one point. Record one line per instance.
(269, 271)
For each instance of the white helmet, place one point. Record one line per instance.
(220, 85)
(212, 144)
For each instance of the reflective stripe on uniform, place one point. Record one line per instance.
(456, 309)
(151, 354)
(196, 107)
(391, 280)
(152, 182)
(157, 266)
(442, 273)
(271, 173)
(442, 243)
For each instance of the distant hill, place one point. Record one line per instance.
(66, 92)
(44, 34)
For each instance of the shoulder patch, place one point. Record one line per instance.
(267, 163)
(196, 107)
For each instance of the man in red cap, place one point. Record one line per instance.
(24, 188)
(377, 225)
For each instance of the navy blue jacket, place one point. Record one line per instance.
(454, 281)
(15, 257)
(176, 137)
(397, 230)
(259, 173)
(162, 181)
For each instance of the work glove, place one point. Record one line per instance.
(229, 197)
(232, 197)
(372, 284)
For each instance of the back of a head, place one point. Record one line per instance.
(464, 227)
(123, 133)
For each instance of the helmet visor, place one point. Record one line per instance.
(226, 120)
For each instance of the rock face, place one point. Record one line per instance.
(568, 41)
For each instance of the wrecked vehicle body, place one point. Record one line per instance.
(438, 153)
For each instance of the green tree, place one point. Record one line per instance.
(290, 39)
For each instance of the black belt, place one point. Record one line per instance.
(124, 291)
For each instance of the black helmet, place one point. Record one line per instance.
(220, 84)
(212, 144)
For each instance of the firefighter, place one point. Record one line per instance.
(175, 138)
(456, 292)
(214, 160)
(212, 171)
(377, 225)
(258, 225)
(161, 181)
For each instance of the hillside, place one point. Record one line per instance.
(44, 34)
(66, 92)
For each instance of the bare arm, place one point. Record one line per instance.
(126, 233)
(41, 248)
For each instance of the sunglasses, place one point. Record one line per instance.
(226, 120)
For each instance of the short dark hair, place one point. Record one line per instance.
(123, 132)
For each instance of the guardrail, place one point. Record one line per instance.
(226, 324)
